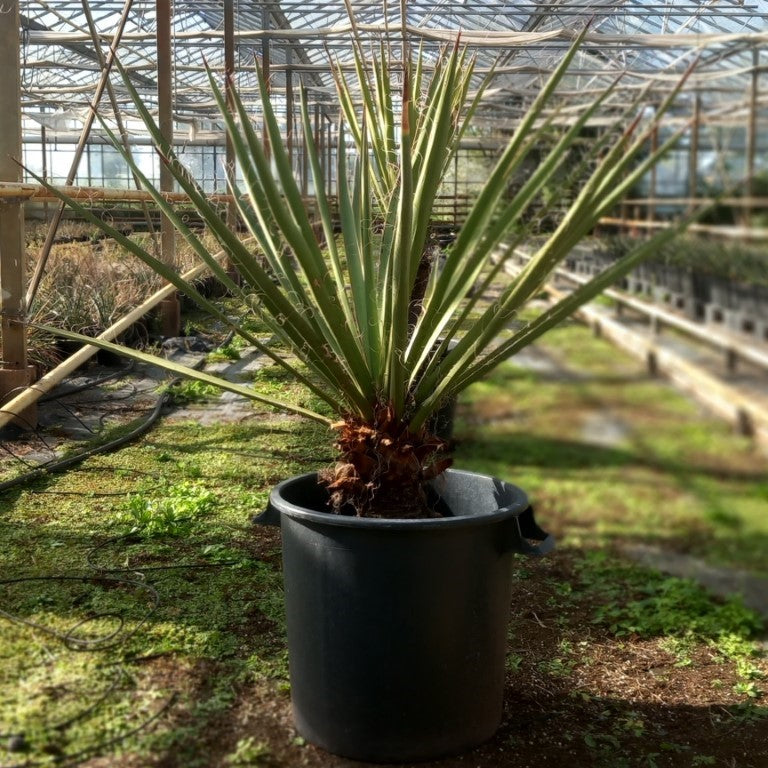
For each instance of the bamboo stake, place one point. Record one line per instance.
(171, 309)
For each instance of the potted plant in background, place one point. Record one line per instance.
(396, 567)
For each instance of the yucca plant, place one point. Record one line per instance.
(376, 327)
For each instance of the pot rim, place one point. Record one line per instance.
(518, 505)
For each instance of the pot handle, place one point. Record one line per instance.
(270, 516)
(525, 531)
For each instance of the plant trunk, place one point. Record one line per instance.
(383, 468)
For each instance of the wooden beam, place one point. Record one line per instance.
(22, 191)
(693, 152)
(170, 308)
(751, 148)
(229, 84)
(15, 372)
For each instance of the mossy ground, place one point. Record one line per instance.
(164, 644)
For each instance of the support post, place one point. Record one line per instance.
(304, 169)
(651, 207)
(170, 308)
(266, 64)
(289, 117)
(751, 148)
(319, 131)
(44, 172)
(229, 73)
(693, 154)
(15, 372)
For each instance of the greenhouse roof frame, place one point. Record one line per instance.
(649, 41)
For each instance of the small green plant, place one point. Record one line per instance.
(749, 689)
(224, 354)
(173, 514)
(271, 373)
(680, 648)
(248, 753)
(191, 391)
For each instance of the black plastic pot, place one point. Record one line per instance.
(397, 629)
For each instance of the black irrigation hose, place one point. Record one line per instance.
(75, 759)
(105, 642)
(66, 391)
(61, 464)
(110, 640)
(132, 537)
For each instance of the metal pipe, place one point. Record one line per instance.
(266, 67)
(693, 156)
(751, 148)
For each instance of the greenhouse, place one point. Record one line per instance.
(383, 383)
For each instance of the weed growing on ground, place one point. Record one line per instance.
(187, 391)
(174, 513)
(224, 354)
(661, 606)
(249, 753)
